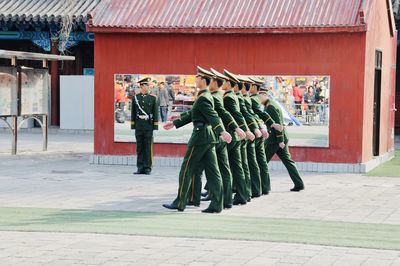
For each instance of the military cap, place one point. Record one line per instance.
(145, 80)
(218, 74)
(257, 80)
(201, 72)
(263, 90)
(231, 76)
(245, 79)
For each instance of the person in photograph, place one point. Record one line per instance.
(171, 97)
(309, 104)
(298, 99)
(163, 101)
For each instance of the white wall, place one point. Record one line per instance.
(76, 102)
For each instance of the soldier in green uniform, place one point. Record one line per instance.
(259, 142)
(232, 105)
(277, 143)
(144, 119)
(230, 124)
(256, 187)
(201, 148)
(253, 126)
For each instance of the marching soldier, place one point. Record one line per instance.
(144, 119)
(253, 126)
(201, 148)
(232, 105)
(277, 143)
(230, 124)
(259, 142)
(256, 188)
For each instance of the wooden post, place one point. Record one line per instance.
(55, 88)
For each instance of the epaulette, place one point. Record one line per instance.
(151, 94)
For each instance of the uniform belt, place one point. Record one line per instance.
(199, 125)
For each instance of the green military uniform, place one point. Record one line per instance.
(144, 119)
(201, 152)
(222, 154)
(259, 144)
(231, 104)
(253, 125)
(272, 146)
(256, 188)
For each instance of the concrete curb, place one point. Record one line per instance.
(273, 165)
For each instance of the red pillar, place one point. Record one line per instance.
(55, 88)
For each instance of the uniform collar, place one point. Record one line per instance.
(226, 92)
(202, 91)
(215, 92)
(254, 94)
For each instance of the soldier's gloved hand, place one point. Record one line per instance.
(240, 133)
(257, 133)
(250, 135)
(265, 133)
(169, 125)
(282, 145)
(278, 127)
(174, 117)
(226, 137)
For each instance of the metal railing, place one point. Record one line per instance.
(310, 114)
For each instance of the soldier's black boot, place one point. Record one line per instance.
(138, 172)
(172, 207)
(227, 206)
(191, 203)
(297, 189)
(209, 210)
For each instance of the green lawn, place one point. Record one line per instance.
(172, 224)
(389, 169)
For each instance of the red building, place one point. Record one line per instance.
(352, 41)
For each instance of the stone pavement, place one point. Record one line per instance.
(62, 178)
(22, 248)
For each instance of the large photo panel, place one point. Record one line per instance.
(303, 100)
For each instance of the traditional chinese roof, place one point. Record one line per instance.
(45, 10)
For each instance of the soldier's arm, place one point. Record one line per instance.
(133, 114)
(207, 109)
(230, 106)
(155, 113)
(186, 118)
(251, 122)
(225, 116)
(259, 110)
(274, 113)
(259, 122)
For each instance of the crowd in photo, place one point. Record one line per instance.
(307, 98)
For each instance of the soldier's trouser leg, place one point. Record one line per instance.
(148, 151)
(235, 162)
(287, 160)
(226, 174)
(195, 188)
(245, 166)
(254, 170)
(140, 136)
(224, 168)
(191, 162)
(262, 165)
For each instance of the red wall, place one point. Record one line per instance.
(340, 55)
(379, 37)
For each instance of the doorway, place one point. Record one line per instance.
(377, 102)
